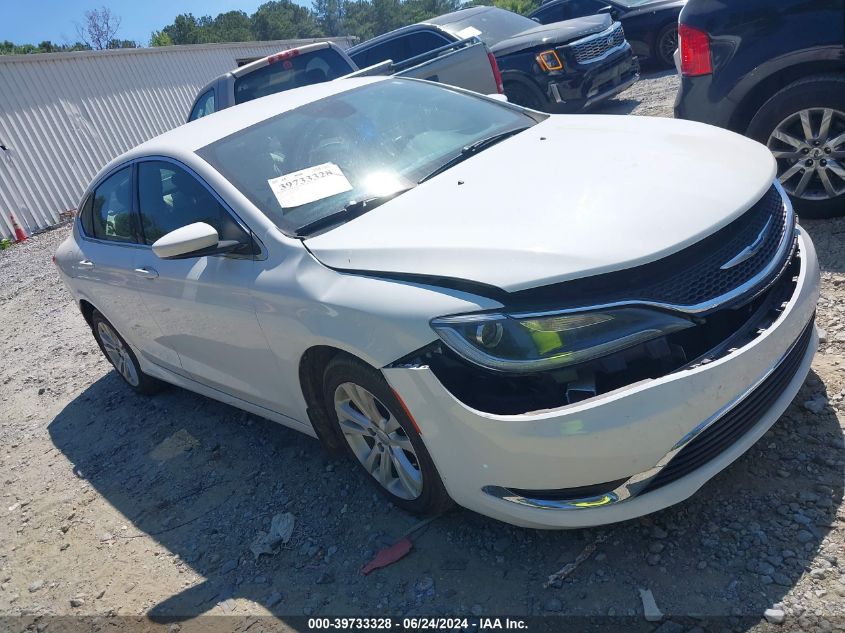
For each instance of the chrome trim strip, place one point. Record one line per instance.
(638, 482)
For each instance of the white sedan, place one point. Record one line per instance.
(556, 321)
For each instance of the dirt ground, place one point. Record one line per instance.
(116, 504)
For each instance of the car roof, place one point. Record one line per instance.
(463, 14)
(189, 137)
(388, 36)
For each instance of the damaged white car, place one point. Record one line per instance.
(556, 321)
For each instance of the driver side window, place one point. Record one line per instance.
(170, 198)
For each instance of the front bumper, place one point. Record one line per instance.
(587, 85)
(622, 435)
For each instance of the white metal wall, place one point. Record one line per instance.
(65, 115)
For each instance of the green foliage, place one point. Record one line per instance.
(283, 19)
(523, 7)
(10, 48)
(160, 38)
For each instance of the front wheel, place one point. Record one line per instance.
(381, 437)
(524, 95)
(804, 127)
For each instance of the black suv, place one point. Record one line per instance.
(560, 67)
(773, 70)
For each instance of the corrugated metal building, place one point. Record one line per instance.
(65, 115)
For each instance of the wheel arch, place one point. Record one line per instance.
(517, 77)
(312, 367)
(777, 81)
(87, 308)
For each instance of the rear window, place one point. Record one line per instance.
(302, 70)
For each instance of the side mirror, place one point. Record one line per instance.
(537, 20)
(497, 97)
(194, 240)
(611, 11)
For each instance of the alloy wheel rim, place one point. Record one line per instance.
(378, 441)
(117, 353)
(668, 46)
(809, 147)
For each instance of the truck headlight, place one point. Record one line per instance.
(522, 343)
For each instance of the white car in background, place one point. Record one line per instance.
(515, 311)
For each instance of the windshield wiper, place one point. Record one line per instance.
(472, 149)
(350, 211)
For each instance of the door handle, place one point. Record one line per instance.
(146, 273)
(86, 264)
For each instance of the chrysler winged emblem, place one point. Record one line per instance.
(751, 250)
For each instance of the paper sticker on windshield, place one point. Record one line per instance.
(309, 185)
(468, 32)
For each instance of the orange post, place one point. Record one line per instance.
(20, 234)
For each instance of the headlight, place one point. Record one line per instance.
(528, 343)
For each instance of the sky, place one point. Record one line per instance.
(33, 21)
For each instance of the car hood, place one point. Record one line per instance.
(571, 197)
(552, 34)
(651, 7)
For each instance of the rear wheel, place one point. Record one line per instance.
(381, 437)
(121, 356)
(804, 127)
(665, 45)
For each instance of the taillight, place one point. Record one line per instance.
(497, 76)
(695, 51)
(549, 60)
(283, 55)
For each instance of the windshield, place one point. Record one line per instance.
(491, 26)
(375, 140)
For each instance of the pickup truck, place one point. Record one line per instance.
(560, 67)
(464, 63)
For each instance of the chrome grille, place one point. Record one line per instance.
(697, 279)
(596, 46)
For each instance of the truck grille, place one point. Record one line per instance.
(597, 46)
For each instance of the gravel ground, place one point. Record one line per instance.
(119, 504)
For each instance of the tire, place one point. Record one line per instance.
(355, 394)
(525, 96)
(802, 161)
(665, 45)
(121, 356)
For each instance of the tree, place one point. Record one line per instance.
(160, 38)
(232, 26)
(283, 19)
(329, 15)
(358, 19)
(418, 10)
(10, 48)
(99, 28)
